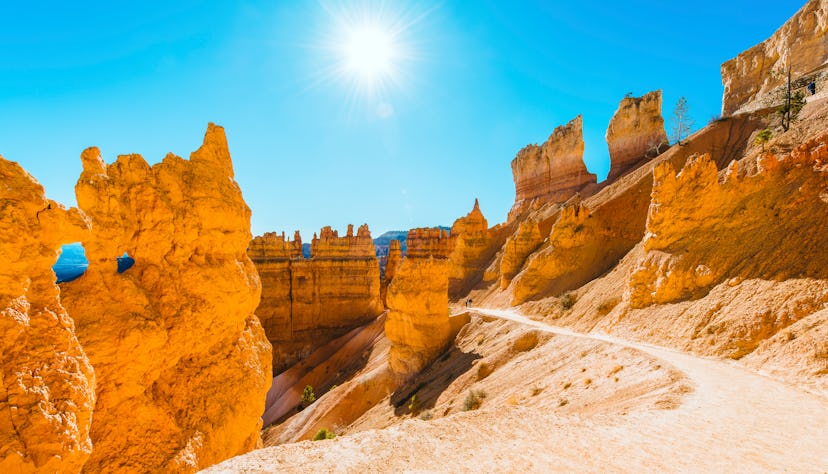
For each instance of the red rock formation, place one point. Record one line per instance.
(635, 133)
(751, 77)
(182, 362)
(308, 302)
(392, 262)
(554, 171)
(47, 386)
(418, 319)
(693, 244)
(518, 246)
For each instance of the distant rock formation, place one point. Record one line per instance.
(47, 385)
(308, 302)
(182, 363)
(693, 244)
(751, 77)
(554, 171)
(418, 319)
(635, 133)
(473, 245)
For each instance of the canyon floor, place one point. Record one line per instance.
(715, 416)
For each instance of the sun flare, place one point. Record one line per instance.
(369, 53)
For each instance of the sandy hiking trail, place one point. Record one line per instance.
(733, 421)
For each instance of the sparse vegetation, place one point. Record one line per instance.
(568, 300)
(308, 396)
(414, 404)
(792, 102)
(473, 400)
(324, 433)
(682, 123)
(426, 415)
(763, 137)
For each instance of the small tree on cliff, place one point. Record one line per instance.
(308, 396)
(682, 122)
(763, 137)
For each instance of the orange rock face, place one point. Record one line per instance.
(473, 246)
(391, 264)
(183, 364)
(693, 244)
(750, 78)
(308, 302)
(518, 246)
(47, 385)
(635, 133)
(554, 171)
(418, 319)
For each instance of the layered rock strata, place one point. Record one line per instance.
(554, 171)
(182, 363)
(473, 246)
(418, 318)
(636, 133)
(777, 213)
(47, 385)
(750, 78)
(307, 302)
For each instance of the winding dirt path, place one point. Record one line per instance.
(734, 421)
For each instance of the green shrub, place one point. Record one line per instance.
(568, 300)
(307, 396)
(473, 400)
(414, 404)
(763, 137)
(324, 433)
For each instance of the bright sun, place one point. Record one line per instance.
(369, 53)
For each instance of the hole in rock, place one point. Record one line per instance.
(125, 262)
(72, 262)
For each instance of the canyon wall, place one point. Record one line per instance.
(47, 385)
(751, 77)
(309, 302)
(635, 133)
(418, 318)
(777, 213)
(554, 171)
(182, 363)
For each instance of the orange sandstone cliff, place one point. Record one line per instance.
(635, 133)
(307, 303)
(418, 319)
(392, 262)
(473, 245)
(47, 385)
(751, 78)
(181, 360)
(554, 171)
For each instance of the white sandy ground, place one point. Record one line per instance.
(734, 421)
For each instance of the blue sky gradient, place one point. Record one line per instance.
(480, 81)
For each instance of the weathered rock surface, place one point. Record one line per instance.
(554, 171)
(473, 246)
(418, 318)
(308, 302)
(777, 213)
(635, 133)
(47, 385)
(392, 262)
(182, 363)
(518, 246)
(750, 78)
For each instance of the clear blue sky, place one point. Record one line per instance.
(478, 81)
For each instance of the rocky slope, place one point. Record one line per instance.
(182, 363)
(47, 385)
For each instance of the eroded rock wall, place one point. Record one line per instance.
(47, 385)
(309, 302)
(750, 78)
(554, 171)
(182, 362)
(769, 225)
(392, 262)
(636, 133)
(418, 318)
(473, 247)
